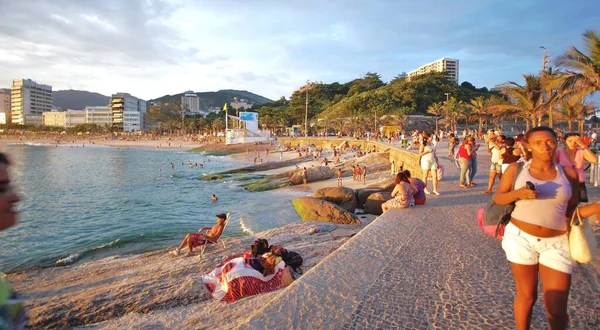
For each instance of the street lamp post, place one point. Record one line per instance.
(545, 61)
(436, 114)
(308, 83)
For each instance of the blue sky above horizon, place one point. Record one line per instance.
(150, 48)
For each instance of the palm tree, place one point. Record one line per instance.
(436, 109)
(527, 100)
(574, 108)
(480, 109)
(551, 94)
(582, 71)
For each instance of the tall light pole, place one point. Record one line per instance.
(308, 84)
(436, 114)
(545, 61)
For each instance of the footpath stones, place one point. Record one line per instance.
(341, 196)
(314, 209)
(374, 201)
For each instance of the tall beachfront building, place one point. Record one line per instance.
(190, 102)
(29, 100)
(450, 66)
(65, 119)
(5, 114)
(127, 112)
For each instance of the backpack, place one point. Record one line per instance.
(294, 260)
(494, 217)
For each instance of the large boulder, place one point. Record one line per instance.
(341, 196)
(314, 174)
(314, 209)
(385, 185)
(363, 193)
(374, 201)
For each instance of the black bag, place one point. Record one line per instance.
(294, 260)
(499, 215)
(583, 196)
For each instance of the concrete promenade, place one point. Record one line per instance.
(428, 267)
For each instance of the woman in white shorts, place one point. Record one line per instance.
(429, 162)
(535, 240)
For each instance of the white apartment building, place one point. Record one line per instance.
(98, 115)
(29, 100)
(241, 103)
(5, 112)
(121, 103)
(450, 66)
(133, 121)
(65, 119)
(190, 102)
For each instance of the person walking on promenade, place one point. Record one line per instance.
(429, 161)
(535, 240)
(465, 152)
(473, 163)
(452, 142)
(509, 153)
(573, 155)
(494, 147)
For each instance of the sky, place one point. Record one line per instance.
(151, 48)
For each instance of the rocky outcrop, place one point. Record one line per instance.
(364, 193)
(310, 209)
(341, 196)
(314, 174)
(374, 201)
(385, 185)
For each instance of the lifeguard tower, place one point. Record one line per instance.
(244, 129)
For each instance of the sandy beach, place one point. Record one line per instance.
(154, 288)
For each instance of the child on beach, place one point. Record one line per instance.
(339, 174)
(364, 174)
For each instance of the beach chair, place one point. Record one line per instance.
(218, 239)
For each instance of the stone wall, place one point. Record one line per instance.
(403, 158)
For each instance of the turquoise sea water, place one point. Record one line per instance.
(85, 203)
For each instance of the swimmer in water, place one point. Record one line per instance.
(214, 198)
(172, 166)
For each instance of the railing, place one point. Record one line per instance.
(595, 173)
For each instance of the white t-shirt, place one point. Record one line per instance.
(496, 157)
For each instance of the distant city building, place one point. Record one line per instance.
(98, 115)
(133, 121)
(241, 103)
(5, 111)
(29, 100)
(65, 119)
(450, 66)
(122, 103)
(190, 102)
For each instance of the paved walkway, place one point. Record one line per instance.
(428, 267)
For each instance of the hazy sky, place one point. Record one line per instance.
(271, 47)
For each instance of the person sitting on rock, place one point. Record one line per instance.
(417, 186)
(193, 240)
(402, 196)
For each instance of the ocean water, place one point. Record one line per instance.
(84, 203)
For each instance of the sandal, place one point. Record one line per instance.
(463, 186)
(487, 192)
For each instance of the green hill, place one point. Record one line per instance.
(216, 99)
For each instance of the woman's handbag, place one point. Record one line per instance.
(583, 196)
(582, 242)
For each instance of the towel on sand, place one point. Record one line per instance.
(235, 278)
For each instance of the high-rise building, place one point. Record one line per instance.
(190, 102)
(5, 112)
(29, 100)
(448, 65)
(122, 103)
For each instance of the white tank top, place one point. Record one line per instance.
(550, 208)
